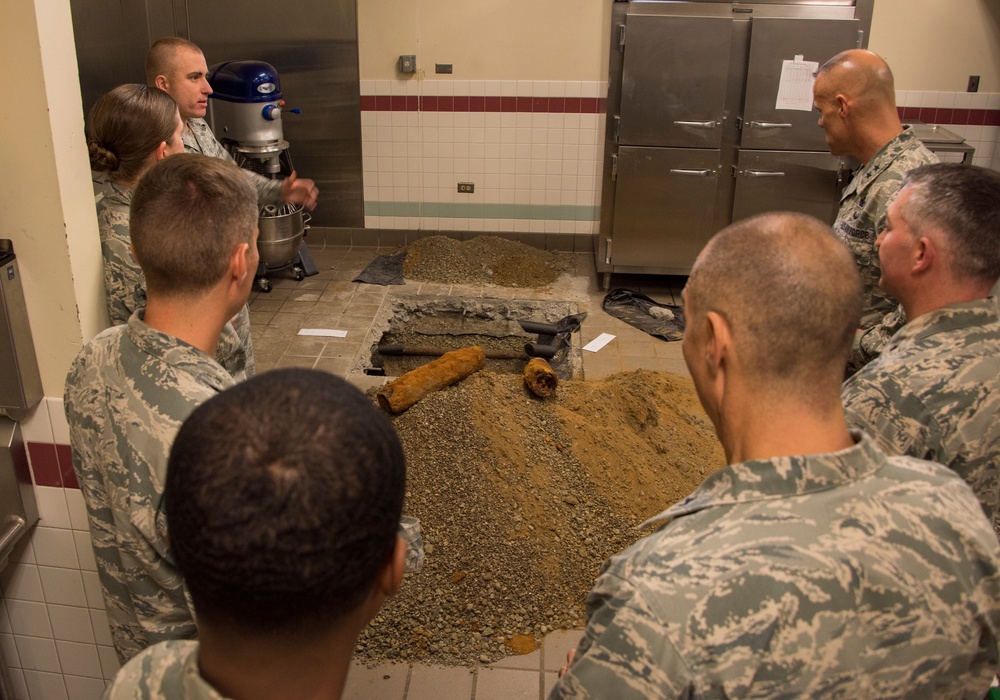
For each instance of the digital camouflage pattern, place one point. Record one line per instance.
(124, 285)
(841, 575)
(863, 206)
(167, 671)
(198, 138)
(934, 393)
(127, 393)
(868, 344)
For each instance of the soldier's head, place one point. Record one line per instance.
(854, 92)
(131, 127)
(283, 500)
(193, 225)
(772, 302)
(942, 228)
(178, 67)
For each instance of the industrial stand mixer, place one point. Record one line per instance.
(245, 111)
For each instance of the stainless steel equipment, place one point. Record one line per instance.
(939, 140)
(20, 381)
(317, 60)
(708, 122)
(244, 112)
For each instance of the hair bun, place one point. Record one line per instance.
(101, 159)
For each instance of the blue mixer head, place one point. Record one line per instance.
(244, 81)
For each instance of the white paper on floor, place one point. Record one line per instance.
(598, 342)
(323, 332)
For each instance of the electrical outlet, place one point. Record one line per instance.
(467, 187)
(407, 63)
(973, 83)
(442, 68)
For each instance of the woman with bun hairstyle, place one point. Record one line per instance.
(128, 129)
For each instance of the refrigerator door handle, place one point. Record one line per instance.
(770, 125)
(709, 124)
(762, 173)
(701, 172)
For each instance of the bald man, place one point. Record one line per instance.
(856, 98)
(177, 66)
(812, 566)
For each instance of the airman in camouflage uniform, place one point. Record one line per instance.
(934, 393)
(198, 138)
(167, 671)
(812, 566)
(127, 393)
(841, 575)
(855, 95)
(863, 205)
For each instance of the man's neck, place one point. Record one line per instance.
(261, 669)
(931, 297)
(195, 321)
(876, 138)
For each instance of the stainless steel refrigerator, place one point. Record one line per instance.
(707, 122)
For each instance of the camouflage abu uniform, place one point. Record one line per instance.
(198, 138)
(935, 394)
(127, 394)
(841, 575)
(124, 285)
(167, 671)
(863, 207)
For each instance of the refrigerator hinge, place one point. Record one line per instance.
(861, 38)
(614, 168)
(621, 37)
(739, 123)
(734, 171)
(618, 126)
(607, 253)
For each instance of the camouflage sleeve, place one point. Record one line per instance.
(124, 284)
(238, 359)
(205, 142)
(881, 405)
(868, 345)
(625, 653)
(158, 673)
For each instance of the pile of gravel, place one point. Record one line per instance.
(521, 500)
(482, 260)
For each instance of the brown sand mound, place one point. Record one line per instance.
(522, 499)
(481, 260)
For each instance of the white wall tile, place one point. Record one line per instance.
(20, 687)
(994, 100)
(92, 587)
(79, 688)
(52, 508)
(54, 547)
(4, 619)
(22, 582)
(77, 509)
(37, 427)
(963, 100)
(980, 100)
(85, 551)
(109, 661)
(9, 650)
(62, 586)
(79, 659)
(45, 686)
(71, 624)
(28, 618)
(57, 417)
(99, 624)
(37, 654)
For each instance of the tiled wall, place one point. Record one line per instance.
(53, 628)
(975, 116)
(532, 149)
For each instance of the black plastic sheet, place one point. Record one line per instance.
(384, 270)
(664, 321)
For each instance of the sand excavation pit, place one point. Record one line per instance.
(521, 500)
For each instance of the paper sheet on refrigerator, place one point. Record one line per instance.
(795, 87)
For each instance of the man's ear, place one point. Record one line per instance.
(924, 255)
(161, 151)
(238, 262)
(161, 82)
(843, 105)
(717, 344)
(391, 575)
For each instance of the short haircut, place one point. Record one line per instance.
(283, 498)
(964, 203)
(866, 76)
(789, 290)
(160, 57)
(188, 214)
(125, 126)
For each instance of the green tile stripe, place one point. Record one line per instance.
(468, 210)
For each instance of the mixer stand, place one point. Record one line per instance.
(301, 267)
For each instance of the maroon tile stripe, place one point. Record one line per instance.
(955, 117)
(482, 103)
(52, 465)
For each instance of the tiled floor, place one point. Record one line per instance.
(331, 300)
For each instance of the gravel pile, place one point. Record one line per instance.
(522, 499)
(482, 260)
